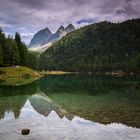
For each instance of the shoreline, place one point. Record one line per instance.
(18, 75)
(57, 72)
(115, 73)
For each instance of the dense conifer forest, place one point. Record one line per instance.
(103, 46)
(14, 52)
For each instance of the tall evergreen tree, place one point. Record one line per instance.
(6, 50)
(32, 60)
(15, 59)
(1, 50)
(14, 52)
(15, 55)
(1, 55)
(22, 49)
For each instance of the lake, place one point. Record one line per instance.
(72, 107)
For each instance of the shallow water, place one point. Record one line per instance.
(72, 107)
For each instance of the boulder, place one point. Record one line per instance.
(25, 131)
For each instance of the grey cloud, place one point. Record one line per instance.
(36, 4)
(120, 11)
(125, 6)
(29, 16)
(90, 20)
(130, 10)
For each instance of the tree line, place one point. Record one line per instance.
(103, 46)
(14, 52)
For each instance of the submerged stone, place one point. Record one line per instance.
(25, 131)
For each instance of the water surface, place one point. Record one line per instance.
(64, 106)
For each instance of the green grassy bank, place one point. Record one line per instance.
(17, 75)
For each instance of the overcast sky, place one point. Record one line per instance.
(29, 16)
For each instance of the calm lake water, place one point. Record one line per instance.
(72, 107)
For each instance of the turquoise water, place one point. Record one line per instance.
(101, 100)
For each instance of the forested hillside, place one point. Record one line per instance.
(102, 46)
(14, 52)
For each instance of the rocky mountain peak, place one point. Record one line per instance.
(44, 37)
(47, 30)
(61, 29)
(70, 28)
(40, 38)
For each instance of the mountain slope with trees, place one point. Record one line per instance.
(101, 46)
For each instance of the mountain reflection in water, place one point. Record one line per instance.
(61, 128)
(72, 107)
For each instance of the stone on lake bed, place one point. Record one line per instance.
(25, 131)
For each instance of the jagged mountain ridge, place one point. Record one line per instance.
(45, 37)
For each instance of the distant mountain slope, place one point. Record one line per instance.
(40, 38)
(42, 48)
(46, 38)
(102, 46)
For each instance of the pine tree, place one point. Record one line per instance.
(1, 55)
(32, 60)
(1, 51)
(15, 55)
(6, 49)
(22, 50)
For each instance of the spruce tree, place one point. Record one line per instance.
(22, 50)
(1, 51)
(1, 55)
(15, 55)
